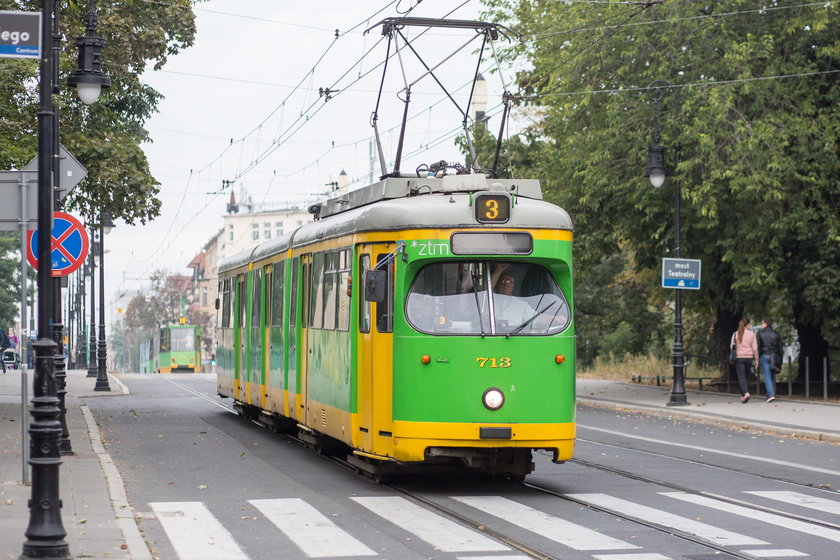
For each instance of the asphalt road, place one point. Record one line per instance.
(207, 484)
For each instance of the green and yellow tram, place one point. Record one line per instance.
(171, 349)
(418, 321)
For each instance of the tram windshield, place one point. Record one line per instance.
(486, 298)
(183, 340)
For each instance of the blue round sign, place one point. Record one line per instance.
(69, 243)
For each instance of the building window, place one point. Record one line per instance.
(278, 229)
(255, 231)
(267, 230)
(204, 296)
(230, 232)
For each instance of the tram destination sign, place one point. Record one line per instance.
(681, 274)
(20, 34)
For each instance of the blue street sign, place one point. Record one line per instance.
(681, 274)
(20, 34)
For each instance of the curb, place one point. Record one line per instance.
(830, 437)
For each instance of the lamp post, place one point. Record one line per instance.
(45, 533)
(105, 225)
(92, 370)
(80, 329)
(656, 172)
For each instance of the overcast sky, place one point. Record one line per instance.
(243, 105)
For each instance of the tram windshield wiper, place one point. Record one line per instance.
(477, 303)
(528, 322)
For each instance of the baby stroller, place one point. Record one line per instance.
(11, 360)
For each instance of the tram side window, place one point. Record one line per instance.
(316, 294)
(255, 300)
(225, 304)
(343, 298)
(330, 290)
(277, 295)
(304, 303)
(294, 290)
(384, 313)
(243, 299)
(364, 305)
(267, 296)
(165, 343)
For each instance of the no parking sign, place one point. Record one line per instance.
(69, 242)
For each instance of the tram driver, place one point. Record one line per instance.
(510, 308)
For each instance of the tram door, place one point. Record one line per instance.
(375, 350)
(303, 342)
(256, 338)
(239, 338)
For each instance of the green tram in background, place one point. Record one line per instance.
(172, 349)
(420, 321)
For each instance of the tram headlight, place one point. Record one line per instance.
(493, 398)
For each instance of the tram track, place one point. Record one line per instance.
(534, 552)
(712, 465)
(719, 497)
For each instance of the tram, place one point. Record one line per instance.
(171, 349)
(384, 325)
(424, 321)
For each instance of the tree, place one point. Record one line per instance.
(10, 277)
(754, 109)
(107, 136)
(169, 299)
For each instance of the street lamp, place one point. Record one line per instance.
(45, 534)
(105, 225)
(88, 79)
(657, 172)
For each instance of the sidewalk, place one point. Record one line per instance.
(94, 513)
(100, 524)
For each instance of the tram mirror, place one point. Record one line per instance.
(217, 303)
(375, 281)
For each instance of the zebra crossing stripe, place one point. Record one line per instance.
(799, 499)
(309, 529)
(439, 532)
(195, 533)
(775, 553)
(493, 557)
(771, 518)
(665, 519)
(554, 528)
(632, 556)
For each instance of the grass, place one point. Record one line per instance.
(623, 369)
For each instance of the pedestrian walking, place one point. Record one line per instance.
(769, 355)
(4, 343)
(746, 355)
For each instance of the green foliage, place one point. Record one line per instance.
(754, 111)
(168, 300)
(105, 137)
(10, 277)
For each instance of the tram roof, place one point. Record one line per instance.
(413, 203)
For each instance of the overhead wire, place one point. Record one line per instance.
(279, 141)
(258, 127)
(289, 131)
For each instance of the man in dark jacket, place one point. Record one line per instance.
(769, 355)
(4, 343)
